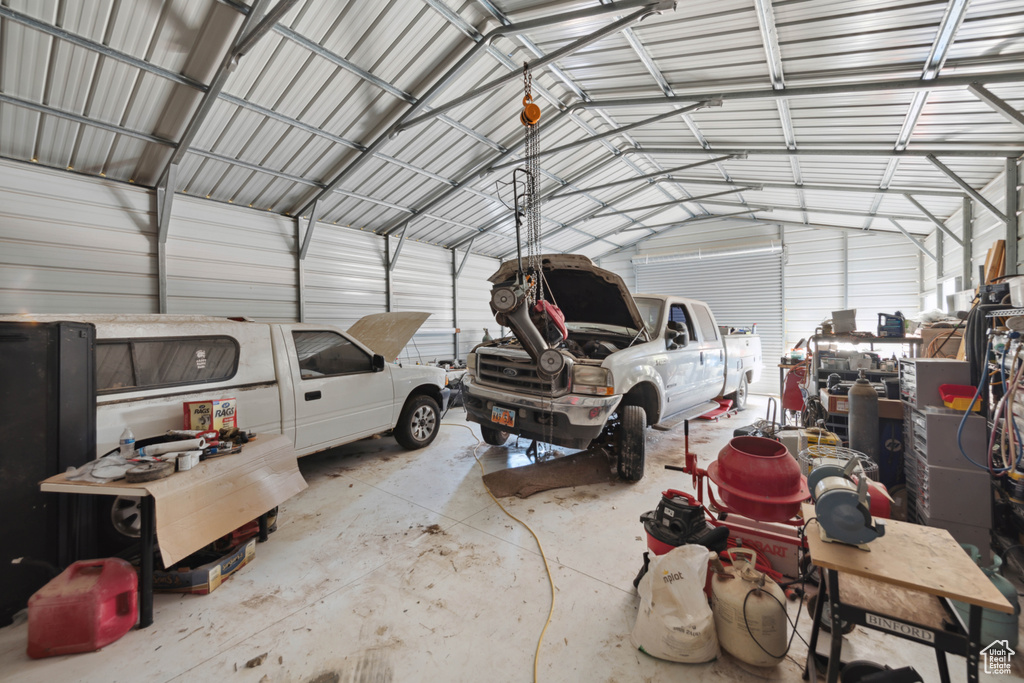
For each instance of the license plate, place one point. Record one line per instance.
(503, 416)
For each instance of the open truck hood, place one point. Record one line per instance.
(584, 292)
(388, 333)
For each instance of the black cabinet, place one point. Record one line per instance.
(47, 424)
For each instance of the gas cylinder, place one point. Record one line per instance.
(864, 418)
(749, 609)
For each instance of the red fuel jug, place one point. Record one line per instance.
(91, 604)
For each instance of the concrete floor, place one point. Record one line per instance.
(398, 566)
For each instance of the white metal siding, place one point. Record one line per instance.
(69, 244)
(741, 290)
(422, 281)
(230, 261)
(814, 280)
(474, 302)
(884, 277)
(344, 276)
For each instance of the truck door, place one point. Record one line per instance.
(712, 353)
(338, 396)
(683, 375)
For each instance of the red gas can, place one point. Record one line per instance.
(91, 604)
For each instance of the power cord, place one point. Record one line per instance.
(551, 580)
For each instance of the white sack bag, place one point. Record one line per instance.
(674, 621)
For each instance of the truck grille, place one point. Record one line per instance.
(519, 375)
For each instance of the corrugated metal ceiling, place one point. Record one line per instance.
(108, 87)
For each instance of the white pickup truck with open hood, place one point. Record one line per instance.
(624, 362)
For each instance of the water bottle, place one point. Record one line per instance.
(127, 443)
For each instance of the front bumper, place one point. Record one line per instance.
(572, 421)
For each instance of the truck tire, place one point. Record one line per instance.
(494, 437)
(739, 397)
(418, 424)
(632, 440)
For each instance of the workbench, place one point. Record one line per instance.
(188, 510)
(898, 586)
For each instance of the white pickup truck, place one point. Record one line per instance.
(313, 383)
(627, 362)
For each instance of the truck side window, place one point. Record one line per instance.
(707, 325)
(127, 364)
(329, 353)
(677, 314)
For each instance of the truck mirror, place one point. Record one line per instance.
(378, 362)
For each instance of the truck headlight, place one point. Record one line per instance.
(471, 364)
(588, 379)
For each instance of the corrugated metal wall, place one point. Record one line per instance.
(741, 291)
(474, 302)
(814, 279)
(344, 276)
(69, 244)
(986, 230)
(223, 260)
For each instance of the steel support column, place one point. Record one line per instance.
(387, 273)
(846, 270)
(967, 213)
(164, 204)
(940, 261)
(455, 302)
(300, 268)
(1012, 220)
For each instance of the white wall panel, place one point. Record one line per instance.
(74, 245)
(884, 277)
(230, 261)
(344, 276)
(741, 291)
(814, 280)
(474, 302)
(422, 281)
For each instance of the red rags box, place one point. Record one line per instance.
(214, 414)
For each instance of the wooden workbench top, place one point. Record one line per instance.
(911, 556)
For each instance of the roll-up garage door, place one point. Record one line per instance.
(741, 291)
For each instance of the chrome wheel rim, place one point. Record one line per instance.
(423, 423)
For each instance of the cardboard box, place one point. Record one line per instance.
(214, 414)
(844, 322)
(207, 577)
(947, 345)
(888, 408)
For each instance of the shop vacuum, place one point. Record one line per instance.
(678, 520)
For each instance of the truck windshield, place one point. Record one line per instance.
(650, 312)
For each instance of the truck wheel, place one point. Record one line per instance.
(494, 437)
(632, 438)
(417, 426)
(739, 397)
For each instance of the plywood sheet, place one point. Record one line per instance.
(196, 507)
(915, 557)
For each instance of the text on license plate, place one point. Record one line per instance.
(503, 416)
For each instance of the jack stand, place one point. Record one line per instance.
(531, 451)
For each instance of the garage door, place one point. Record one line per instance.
(741, 290)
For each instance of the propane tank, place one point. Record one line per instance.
(864, 418)
(752, 629)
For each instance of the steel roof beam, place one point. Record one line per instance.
(614, 27)
(228, 64)
(868, 189)
(70, 116)
(1000, 105)
(613, 132)
(977, 196)
(648, 177)
(812, 209)
(105, 50)
(859, 151)
(675, 202)
(443, 82)
(853, 88)
(938, 224)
